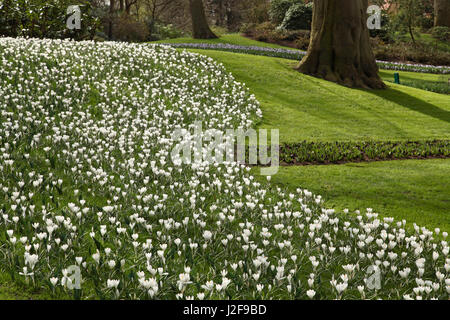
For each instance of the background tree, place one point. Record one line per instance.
(155, 9)
(200, 27)
(112, 10)
(408, 16)
(340, 50)
(129, 4)
(442, 13)
(219, 9)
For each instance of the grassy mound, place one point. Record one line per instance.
(89, 184)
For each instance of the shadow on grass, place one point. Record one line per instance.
(412, 103)
(403, 99)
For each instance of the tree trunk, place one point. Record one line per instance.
(128, 5)
(411, 33)
(339, 49)
(111, 18)
(442, 13)
(200, 28)
(220, 14)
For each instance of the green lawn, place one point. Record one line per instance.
(415, 190)
(10, 290)
(237, 39)
(307, 108)
(427, 81)
(430, 82)
(388, 75)
(429, 40)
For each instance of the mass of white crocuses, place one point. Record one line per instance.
(87, 183)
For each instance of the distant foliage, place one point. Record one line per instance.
(279, 8)
(128, 29)
(298, 17)
(441, 33)
(45, 19)
(162, 31)
(259, 12)
(385, 33)
(419, 53)
(409, 16)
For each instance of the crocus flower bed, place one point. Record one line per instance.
(298, 55)
(87, 182)
(255, 50)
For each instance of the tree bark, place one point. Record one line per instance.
(220, 14)
(128, 5)
(111, 18)
(442, 13)
(339, 49)
(200, 27)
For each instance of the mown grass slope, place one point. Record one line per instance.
(415, 190)
(307, 108)
(232, 38)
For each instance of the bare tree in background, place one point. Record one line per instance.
(200, 27)
(112, 4)
(155, 9)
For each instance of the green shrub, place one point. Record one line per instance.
(269, 33)
(405, 51)
(307, 152)
(247, 28)
(426, 21)
(261, 31)
(298, 17)
(163, 31)
(337, 152)
(46, 19)
(264, 31)
(258, 12)
(279, 8)
(303, 38)
(441, 33)
(385, 33)
(128, 29)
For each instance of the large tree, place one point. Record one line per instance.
(200, 27)
(442, 13)
(339, 49)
